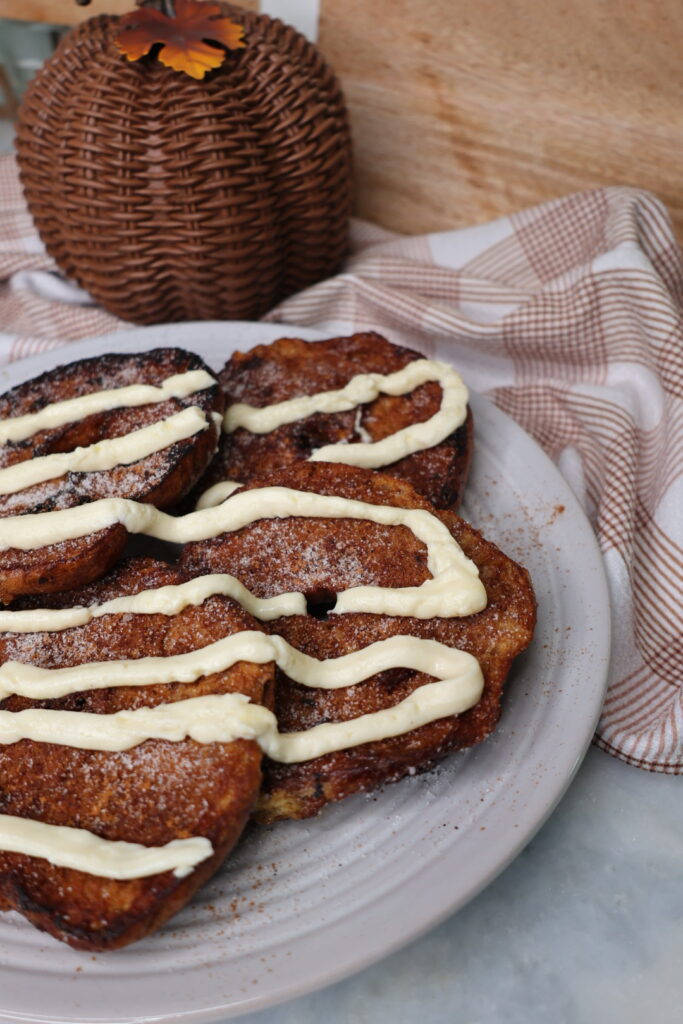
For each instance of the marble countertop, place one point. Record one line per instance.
(585, 925)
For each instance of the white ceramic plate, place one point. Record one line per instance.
(301, 904)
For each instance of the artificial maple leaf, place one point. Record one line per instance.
(185, 39)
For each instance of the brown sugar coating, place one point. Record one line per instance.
(151, 794)
(288, 368)
(162, 478)
(321, 557)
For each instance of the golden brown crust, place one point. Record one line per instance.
(160, 791)
(60, 566)
(290, 367)
(321, 557)
(151, 794)
(161, 479)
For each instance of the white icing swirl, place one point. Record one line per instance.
(455, 587)
(366, 387)
(180, 385)
(217, 494)
(105, 454)
(416, 653)
(168, 600)
(222, 718)
(77, 848)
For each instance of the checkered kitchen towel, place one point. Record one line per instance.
(570, 317)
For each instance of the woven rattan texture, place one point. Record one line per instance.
(172, 199)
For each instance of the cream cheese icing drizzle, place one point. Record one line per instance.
(213, 719)
(454, 589)
(223, 718)
(416, 653)
(76, 848)
(366, 387)
(218, 493)
(180, 385)
(218, 718)
(105, 454)
(168, 600)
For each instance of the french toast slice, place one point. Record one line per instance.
(151, 794)
(289, 367)
(321, 557)
(161, 478)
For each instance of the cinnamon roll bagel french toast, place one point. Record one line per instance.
(178, 805)
(324, 624)
(380, 394)
(141, 427)
(324, 557)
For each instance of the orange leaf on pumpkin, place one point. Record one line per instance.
(185, 40)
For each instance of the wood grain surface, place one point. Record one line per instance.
(464, 111)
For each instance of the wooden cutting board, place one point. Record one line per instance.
(463, 111)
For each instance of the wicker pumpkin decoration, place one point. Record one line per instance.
(169, 198)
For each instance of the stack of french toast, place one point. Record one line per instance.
(315, 620)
